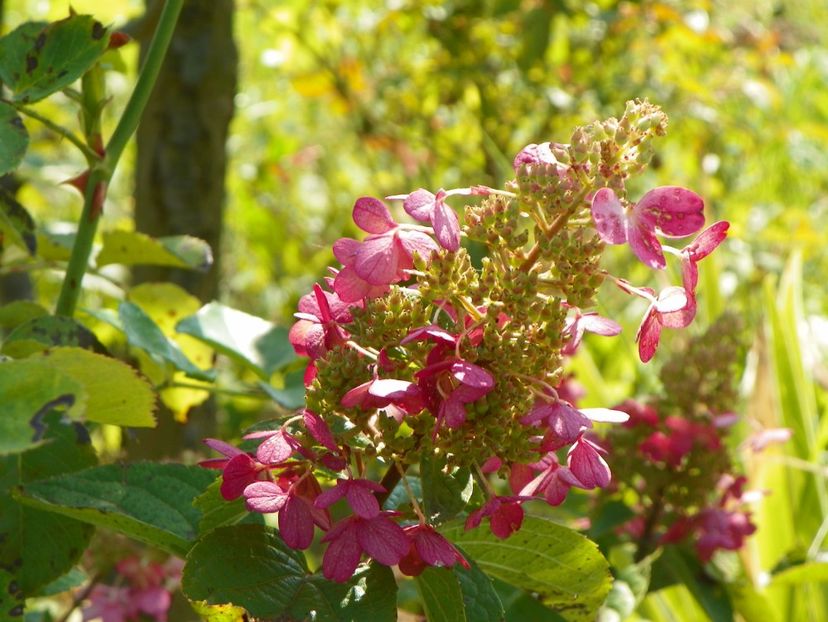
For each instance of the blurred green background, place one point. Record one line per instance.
(341, 99)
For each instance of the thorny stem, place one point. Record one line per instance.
(101, 170)
(88, 153)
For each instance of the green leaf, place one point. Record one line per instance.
(152, 503)
(133, 248)
(74, 578)
(521, 605)
(457, 594)
(145, 334)
(30, 390)
(444, 493)
(216, 511)
(247, 339)
(218, 613)
(14, 139)
(53, 246)
(36, 61)
(399, 496)
(16, 313)
(230, 565)
(292, 395)
(116, 394)
(12, 598)
(16, 224)
(562, 566)
(809, 572)
(44, 332)
(41, 546)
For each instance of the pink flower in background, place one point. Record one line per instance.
(553, 480)
(505, 516)
(380, 538)
(670, 210)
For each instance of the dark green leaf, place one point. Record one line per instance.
(293, 395)
(12, 597)
(249, 566)
(216, 511)
(16, 225)
(451, 594)
(143, 333)
(521, 605)
(562, 566)
(39, 547)
(36, 61)
(14, 139)
(610, 515)
(399, 496)
(30, 390)
(247, 339)
(444, 493)
(134, 248)
(72, 579)
(152, 503)
(44, 332)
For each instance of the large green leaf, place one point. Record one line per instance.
(247, 339)
(41, 333)
(18, 312)
(809, 572)
(152, 503)
(459, 595)
(562, 566)
(38, 546)
(38, 60)
(116, 394)
(145, 334)
(521, 605)
(134, 248)
(30, 390)
(16, 224)
(445, 493)
(249, 566)
(216, 511)
(14, 139)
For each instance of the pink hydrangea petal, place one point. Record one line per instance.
(377, 260)
(599, 325)
(434, 549)
(645, 245)
(276, 449)
(566, 421)
(223, 448)
(507, 519)
(674, 210)
(330, 496)
(417, 242)
(432, 333)
(471, 375)
(491, 465)
(264, 497)
(420, 205)
(681, 318)
(534, 154)
(605, 415)
(350, 287)
(322, 303)
(452, 413)
(707, 241)
(342, 555)
(309, 306)
(609, 217)
(540, 411)
(371, 215)
(345, 250)
(392, 389)
(362, 500)
(446, 226)
(671, 299)
(383, 539)
(296, 523)
(319, 430)
(240, 471)
(588, 466)
(648, 336)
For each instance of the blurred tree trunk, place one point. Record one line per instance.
(180, 170)
(181, 140)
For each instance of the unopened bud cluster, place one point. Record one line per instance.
(418, 354)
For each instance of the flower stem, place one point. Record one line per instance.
(390, 480)
(101, 170)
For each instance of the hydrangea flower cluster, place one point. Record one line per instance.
(421, 353)
(671, 456)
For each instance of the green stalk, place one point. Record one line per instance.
(101, 172)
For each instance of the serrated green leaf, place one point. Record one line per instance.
(247, 339)
(218, 613)
(37, 60)
(444, 493)
(41, 546)
(562, 566)
(230, 565)
(44, 332)
(152, 503)
(16, 224)
(216, 511)
(116, 394)
(30, 390)
(131, 248)
(143, 333)
(14, 139)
